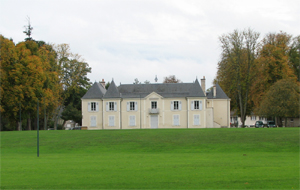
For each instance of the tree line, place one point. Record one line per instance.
(37, 72)
(260, 76)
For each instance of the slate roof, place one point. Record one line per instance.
(112, 91)
(95, 92)
(166, 90)
(220, 93)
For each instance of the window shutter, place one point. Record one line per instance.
(128, 106)
(97, 106)
(179, 105)
(200, 106)
(176, 120)
(89, 106)
(192, 105)
(136, 106)
(107, 108)
(115, 107)
(172, 105)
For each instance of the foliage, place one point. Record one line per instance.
(107, 85)
(281, 100)
(27, 77)
(28, 30)
(71, 113)
(294, 56)
(136, 81)
(73, 72)
(171, 79)
(235, 70)
(152, 159)
(272, 64)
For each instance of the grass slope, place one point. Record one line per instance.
(152, 159)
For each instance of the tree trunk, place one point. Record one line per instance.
(20, 126)
(29, 122)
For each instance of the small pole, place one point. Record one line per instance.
(20, 125)
(38, 143)
(45, 119)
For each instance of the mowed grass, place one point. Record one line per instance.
(152, 159)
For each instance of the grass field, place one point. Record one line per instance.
(152, 159)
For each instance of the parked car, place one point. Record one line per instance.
(259, 124)
(271, 124)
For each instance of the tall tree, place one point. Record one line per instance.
(26, 77)
(171, 79)
(28, 30)
(239, 50)
(281, 100)
(294, 55)
(273, 64)
(73, 72)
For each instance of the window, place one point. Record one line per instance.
(196, 119)
(93, 106)
(154, 105)
(176, 120)
(132, 106)
(111, 121)
(196, 105)
(253, 118)
(176, 105)
(132, 120)
(111, 106)
(93, 121)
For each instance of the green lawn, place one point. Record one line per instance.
(152, 159)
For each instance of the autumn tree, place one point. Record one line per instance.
(26, 77)
(171, 79)
(273, 64)
(281, 100)
(73, 72)
(235, 76)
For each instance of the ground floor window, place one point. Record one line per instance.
(132, 120)
(93, 121)
(111, 121)
(176, 120)
(196, 119)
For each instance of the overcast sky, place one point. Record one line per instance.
(124, 39)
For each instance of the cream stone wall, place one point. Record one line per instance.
(86, 114)
(221, 109)
(142, 115)
(114, 114)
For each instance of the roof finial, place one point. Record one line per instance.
(155, 78)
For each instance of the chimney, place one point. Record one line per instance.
(102, 83)
(215, 91)
(203, 85)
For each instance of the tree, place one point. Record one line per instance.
(273, 64)
(28, 30)
(73, 72)
(234, 74)
(71, 113)
(171, 79)
(281, 100)
(294, 56)
(136, 81)
(26, 77)
(146, 82)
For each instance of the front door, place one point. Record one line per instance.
(154, 121)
